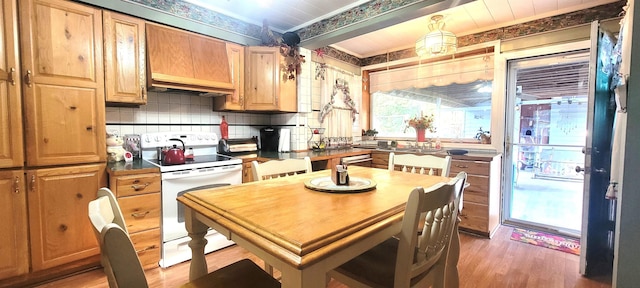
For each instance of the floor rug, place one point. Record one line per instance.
(556, 242)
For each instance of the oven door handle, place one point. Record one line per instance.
(201, 172)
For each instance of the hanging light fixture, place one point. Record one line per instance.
(437, 41)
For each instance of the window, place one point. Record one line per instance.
(457, 92)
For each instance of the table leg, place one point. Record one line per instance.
(197, 230)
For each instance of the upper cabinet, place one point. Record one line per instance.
(11, 154)
(234, 101)
(124, 59)
(188, 61)
(62, 68)
(267, 87)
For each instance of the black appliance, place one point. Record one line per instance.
(269, 139)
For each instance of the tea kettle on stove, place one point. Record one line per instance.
(174, 155)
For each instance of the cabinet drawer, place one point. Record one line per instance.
(478, 190)
(474, 216)
(141, 212)
(147, 244)
(137, 184)
(471, 167)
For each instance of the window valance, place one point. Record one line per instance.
(456, 71)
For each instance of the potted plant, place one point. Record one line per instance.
(483, 136)
(369, 134)
(421, 124)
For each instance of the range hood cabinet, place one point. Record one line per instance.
(181, 60)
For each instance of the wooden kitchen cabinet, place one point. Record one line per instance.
(184, 60)
(124, 59)
(234, 101)
(14, 253)
(11, 154)
(139, 199)
(267, 87)
(247, 174)
(481, 201)
(58, 199)
(62, 68)
(380, 159)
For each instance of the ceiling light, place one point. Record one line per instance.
(437, 41)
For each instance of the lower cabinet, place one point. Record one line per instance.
(60, 230)
(140, 201)
(380, 159)
(481, 200)
(247, 174)
(14, 253)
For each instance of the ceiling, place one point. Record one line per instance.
(473, 17)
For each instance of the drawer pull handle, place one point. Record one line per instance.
(16, 185)
(140, 215)
(147, 249)
(462, 166)
(140, 187)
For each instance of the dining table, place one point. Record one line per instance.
(301, 224)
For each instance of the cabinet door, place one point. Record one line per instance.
(58, 223)
(184, 60)
(124, 59)
(63, 87)
(234, 101)
(14, 255)
(11, 154)
(262, 78)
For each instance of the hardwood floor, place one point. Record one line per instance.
(499, 262)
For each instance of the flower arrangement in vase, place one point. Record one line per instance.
(421, 124)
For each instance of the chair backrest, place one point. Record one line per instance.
(423, 164)
(122, 257)
(422, 252)
(104, 210)
(280, 168)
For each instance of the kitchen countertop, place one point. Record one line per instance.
(314, 155)
(472, 155)
(138, 166)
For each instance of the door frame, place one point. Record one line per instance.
(502, 66)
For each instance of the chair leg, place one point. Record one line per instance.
(452, 279)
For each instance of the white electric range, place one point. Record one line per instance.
(207, 170)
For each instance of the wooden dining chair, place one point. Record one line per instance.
(123, 268)
(423, 164)
(280, 168)
(412, 259)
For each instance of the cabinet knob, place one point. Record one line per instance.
(28, 78)
(11, 78)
